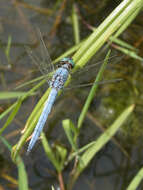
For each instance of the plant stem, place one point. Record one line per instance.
(61, 182)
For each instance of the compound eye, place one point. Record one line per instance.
(71, 63)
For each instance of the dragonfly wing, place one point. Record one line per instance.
(40, 55)
(36, 60)
(86, 76)
(93, 83)
(95, 66)
(44, 52)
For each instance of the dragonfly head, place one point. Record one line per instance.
(68, 61)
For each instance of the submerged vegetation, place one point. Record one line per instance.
(100, 111)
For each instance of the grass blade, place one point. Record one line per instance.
(111, 24)
(92, 92)
(22, 175)
(50, 153)
(70, 131)
(11, 95)
(7, 110)
(136, 181)
(12, 115)
(101, 141)
(75, 24)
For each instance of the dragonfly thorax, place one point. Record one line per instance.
(66, 66)
(60, 77)
(67, 62)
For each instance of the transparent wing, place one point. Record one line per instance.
(93, 83)
(36, 60)
(40, 55)
(87, 75)
(95, 65)
(46, 60)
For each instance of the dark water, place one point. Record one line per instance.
(120, 160)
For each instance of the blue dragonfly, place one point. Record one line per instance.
(57, 82)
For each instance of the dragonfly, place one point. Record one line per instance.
(57, 83)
